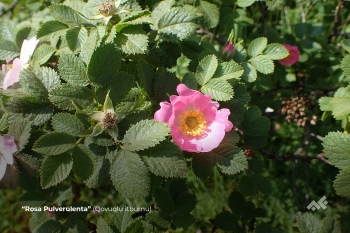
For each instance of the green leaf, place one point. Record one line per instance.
(161, 8)
(202, 164)
(54, 143)
(100, 177)
(229, 70)
(145, 134)
(51, 30)
(135, 227)
(226, 221)
(132, 40)
(206, 69)
(48, 77)
(28, 164)
(263, 64)
(240, 53)
(158, 219)
(8, 49)
(190, 81)
(89, 46)
(50, 226)
(83, 162)
(104, 64)
(276, 51)
(250, 74)
(164, 201)
(31, 84)
(308, 223)
(262, 184)
(219, 90)
(178, 23)
(245, 3)
(129, 175)
(7, 30)
(55, 169)
(237, 203)
(23, 34)
(330, 225)
(337, 150)
(165, 86)
(103, 227)
(183, 221)
(229, 159)
(76, 37)
(258, 126)
(342, 183)
(122, 220)
(20, 130)
(256, 165)
(210, 12)
(255, 142)
(185, 203)
(65, 14)
(62, 96)
(247, 186)
(345, 65)
(346, 45)
(146, 75)
(67, 123)
(72, 70)
(32, 199)
(257, 46)
(165, 159)
(340, 106)
(42, 54)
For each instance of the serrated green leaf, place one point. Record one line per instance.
(263, 185)
(206, 69)
(90, 45)
(103, 65)
(145, 134)
(247, 186)
(258, 126)
(202, 165)
(229, 159)
(132, 40)
(8, 49)
(308, 223)
(55, 169)
(330, 225)
(185, 203)
(263, 64)
(228, 70)
(255, 142)
(342, 183)
(54, 143)
(28, 164)
(103, 227)
(42, 54)
(183, 221)
(165, 86)
(72, 70)
(23, 34)
(51, 30)
(62, 194)
(135, 227)
(237, 203)
(100, 177)
(245, 3)
(159, 219)
(210, 12)
(219, 90)
(63, 95)
(48, 77)
(32, 199)
(164, 201)
(146, 75)
(83, 162)
(226, 221)
(345, 65)
(31, 84)
(190, 81)
(250, 74)
(165, 159)
(276, 51)
(122, 220)
(257, 46)
(67, 123)
(129, 175)
(161, 8)
(76, 37)
(178, 23)
(337, 150)
(346, 45)
(65, 14)
(7, 30)
(50, 226)
(20, 130)
(240, 53)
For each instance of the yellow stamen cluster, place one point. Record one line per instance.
(107, 9)
(192, 123)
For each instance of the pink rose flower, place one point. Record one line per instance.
(7, 148)
(293, 56)
(196, 123)
(228, 50)
(12, 73)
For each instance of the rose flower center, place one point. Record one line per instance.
(192, 123)
(107, 8)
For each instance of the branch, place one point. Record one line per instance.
(10, 8)
(303, 15)
(336, 19)
(202, 31)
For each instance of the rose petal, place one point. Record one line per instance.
(3, 166)
(7, 148)
(27, 50)
(12, 76)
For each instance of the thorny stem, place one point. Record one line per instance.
(202, 31)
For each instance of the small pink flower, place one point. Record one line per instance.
(293, 56)
(12, 74)
(228, 50)
(7, 148)
(196, 123)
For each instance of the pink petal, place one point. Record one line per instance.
(12, 76)
(222, 117)
(164, 113)
(7, 148)
(3, 166)
(293, 56)
(27, 49)
(3, 67)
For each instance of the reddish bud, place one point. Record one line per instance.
(248, 152)
(228, 50)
